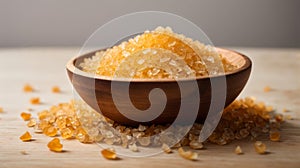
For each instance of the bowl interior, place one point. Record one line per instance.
(237, 59)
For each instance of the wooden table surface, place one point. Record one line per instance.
(45, 67)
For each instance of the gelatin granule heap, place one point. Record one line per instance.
(158, 54)
(61, 120)
(242, 119)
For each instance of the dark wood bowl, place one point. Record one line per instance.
(96, 90)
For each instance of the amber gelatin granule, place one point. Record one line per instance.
(189, 155)
(25, 116)
(35, 100)
(31, 122)
(267, 89)
(26, 137)
(109, 154)
(274, 136)
(238, 150)
(55, 145)
(260, 147)
(153, 54)
(55, 89)
(50, 131)
(28, 88)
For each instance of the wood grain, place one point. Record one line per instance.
(45, 67)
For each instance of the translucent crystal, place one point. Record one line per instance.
(274, 136)
(260, 147)
(144, 141)
(188, 154)
(195, 144)
(133, 148)
(26, 137)
(153, 66)
(166, 148)
(238, 150)
(55, 145)
(109, 154)
(161, 38)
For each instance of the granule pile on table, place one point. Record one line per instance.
(242, 119)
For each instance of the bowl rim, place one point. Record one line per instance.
(70, 66)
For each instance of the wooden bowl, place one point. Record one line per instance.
(96, 90)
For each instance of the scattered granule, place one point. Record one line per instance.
(35, 100)
(274, 136)
(260, 147)
(142, 128)
(144, 141)
(166, 148)
(288, 117)
(29, 109)
(26, 137)
(55, 145)
(38, 129)
(56, 89)
(133, 148)
(31, 123)
(285, 110)
(279, 118)
(109, 153)
(25, 116)
(24, 152)
(189, 155)
(50, 131)
(238, 150)
(195, 144)
(269, 109)
(28, 88)
(267, 89)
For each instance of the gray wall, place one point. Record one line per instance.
(259, 23)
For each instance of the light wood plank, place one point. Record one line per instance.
(45, 67)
